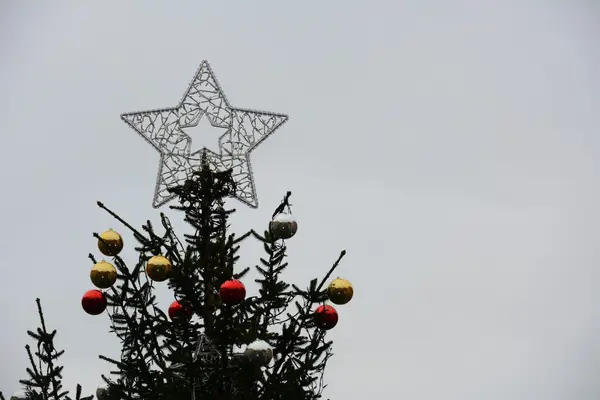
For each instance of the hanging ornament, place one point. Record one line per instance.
(111, 243)
(101, 393)
(94, 302)
(158, 268)
(340, 291)
(179, 310)
(103, 275)
(326, 317)
(259, 352)
(232, 292)
(283, 226)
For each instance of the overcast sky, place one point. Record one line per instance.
(450, 146)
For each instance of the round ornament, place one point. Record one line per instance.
(326, 317)
(94, 302)
(101, 393)
(158, 268)
(103, 275)
(179, 310)
(111, 243)
(283, 226)
(259, 352)
(340, 291)
(232, 292)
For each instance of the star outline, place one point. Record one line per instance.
(180, 112)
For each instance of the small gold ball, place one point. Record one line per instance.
(158, 268)
(340, 291)
(110, 243)
(103, 275)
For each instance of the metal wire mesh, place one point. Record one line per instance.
(165, 130)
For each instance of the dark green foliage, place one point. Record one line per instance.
(45, 379)
(196, 359)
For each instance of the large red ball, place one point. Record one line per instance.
(94, 302)
(232, 292)
(179, 310)
(326, 317)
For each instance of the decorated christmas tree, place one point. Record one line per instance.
(215, 340)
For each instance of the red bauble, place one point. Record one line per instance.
(326, 317)
(179, 310)
(232, 292)
(94, 302)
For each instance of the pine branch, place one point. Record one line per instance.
(295, 358)
(284, 204)
(45, 377)
(335, 265)
(136, 233)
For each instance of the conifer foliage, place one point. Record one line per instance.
(214, 342)
(198, 352)
(45, 375)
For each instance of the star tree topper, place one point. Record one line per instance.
(165, 129)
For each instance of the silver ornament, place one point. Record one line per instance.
(259, 352)
(283, 226)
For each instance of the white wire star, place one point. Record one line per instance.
(165, 129)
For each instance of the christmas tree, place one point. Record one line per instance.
(213, 342)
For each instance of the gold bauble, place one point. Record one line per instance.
(103, 275)
(158, 268)
(111, 243)
(340, 291)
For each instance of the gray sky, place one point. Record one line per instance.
(450, 146)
